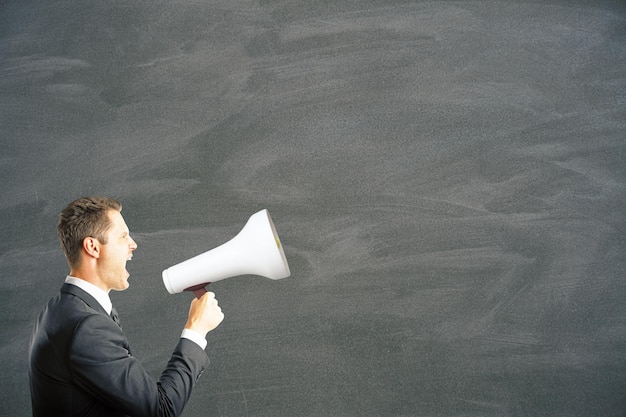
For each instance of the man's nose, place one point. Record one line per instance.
(133, 244)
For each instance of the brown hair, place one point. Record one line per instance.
(85, 217)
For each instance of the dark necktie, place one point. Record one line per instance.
(115, 317)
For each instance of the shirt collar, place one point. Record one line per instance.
(101, 296)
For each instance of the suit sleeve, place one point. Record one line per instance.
(102, 365)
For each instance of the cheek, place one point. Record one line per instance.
(120, 253)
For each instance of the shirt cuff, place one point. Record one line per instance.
(195, 337)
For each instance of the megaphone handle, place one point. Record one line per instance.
(198, 290)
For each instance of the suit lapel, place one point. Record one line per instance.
(93, 303)
(83, 295)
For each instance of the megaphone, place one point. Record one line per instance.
(256, 250)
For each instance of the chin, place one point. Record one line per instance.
(123, 284)
(121, 287)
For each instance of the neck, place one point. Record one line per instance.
(87, 274)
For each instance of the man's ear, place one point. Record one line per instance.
(91, 246)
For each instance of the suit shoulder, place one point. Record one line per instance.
(64, 313)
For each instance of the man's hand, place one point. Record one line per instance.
(204, 314)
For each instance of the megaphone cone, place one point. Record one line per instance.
(256, 250)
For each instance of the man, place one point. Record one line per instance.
(80, 361)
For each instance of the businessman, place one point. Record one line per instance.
(80, 363)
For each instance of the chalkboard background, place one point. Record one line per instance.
(448, 180)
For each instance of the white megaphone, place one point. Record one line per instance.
(256, 250)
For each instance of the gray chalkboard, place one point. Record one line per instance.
(448, 180)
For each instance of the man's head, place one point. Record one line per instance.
(82, 218)
(97, 242)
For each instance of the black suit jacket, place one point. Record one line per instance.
(80, 365)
